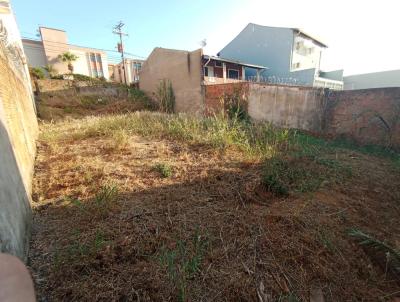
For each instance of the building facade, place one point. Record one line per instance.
(292, 56)
(383, 79)
(133, 68)
(54, 42)
(189, 72)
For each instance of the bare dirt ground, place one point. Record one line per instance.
(208, 232)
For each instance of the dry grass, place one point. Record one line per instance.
(109, 227)
(59, 105)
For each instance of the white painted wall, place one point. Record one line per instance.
(104, 61)
(306, 59)
(81, 65)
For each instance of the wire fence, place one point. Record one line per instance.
(277, 80)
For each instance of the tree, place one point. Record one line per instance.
(68, 58)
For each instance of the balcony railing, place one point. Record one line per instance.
(328, 83)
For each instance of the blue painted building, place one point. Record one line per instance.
(292, 56)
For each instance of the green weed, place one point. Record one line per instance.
(183, 262)
(164, 169)
(106, 195)
(391, 254)
(301, 174)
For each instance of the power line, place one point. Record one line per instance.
(101, 49)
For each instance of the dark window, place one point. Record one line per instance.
(218, 63)
(205, 71)
(233, 74)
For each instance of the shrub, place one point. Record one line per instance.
(164, 169)
(165, 96)
(36, 73)
(82, 77)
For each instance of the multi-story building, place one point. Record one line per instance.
(54, 42)
(381, 79)
(292, 56)
(133, 67)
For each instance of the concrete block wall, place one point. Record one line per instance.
(18, 133)
(370, 116)
(289, 107)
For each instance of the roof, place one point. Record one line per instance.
(298, 30)
(32, 41)
(51, 28)
(302, 33)
(234, 62)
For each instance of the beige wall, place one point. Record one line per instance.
(289, 107)
(18, 133)
(183, 69)
(55, 43)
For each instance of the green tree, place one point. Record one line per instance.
(68, 58)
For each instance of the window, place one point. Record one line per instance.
(205, 71)
(96, 65)
(295, 65)
(218, 64)
(233, 74)
(137, 66)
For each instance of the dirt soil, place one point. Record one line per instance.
(209, 232)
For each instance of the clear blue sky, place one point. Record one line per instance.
(171, 24)
(361, 34)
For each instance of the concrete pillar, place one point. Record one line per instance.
(243, 73)
(224, 71)
(258, 75)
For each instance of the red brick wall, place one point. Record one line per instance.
(369, 116)
(214, 95)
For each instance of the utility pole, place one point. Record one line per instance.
(118, 31)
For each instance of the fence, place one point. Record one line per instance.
(370, 116)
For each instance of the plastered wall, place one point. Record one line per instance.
(18, 133)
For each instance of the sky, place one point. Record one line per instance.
(362, 35)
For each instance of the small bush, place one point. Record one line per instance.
(302, 174)
(82, 77)
(137, 95)
(275, 172)
(164, 169)
(36, 73)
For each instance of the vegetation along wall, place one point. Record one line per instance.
(370, 116)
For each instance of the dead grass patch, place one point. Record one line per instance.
(207, 232)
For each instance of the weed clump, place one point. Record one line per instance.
(166, 96)
(281, 175)
(184, 262)
(106, 196)
(164, 169)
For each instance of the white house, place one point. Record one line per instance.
(53, 42)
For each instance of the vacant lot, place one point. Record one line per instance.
(152, 207)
